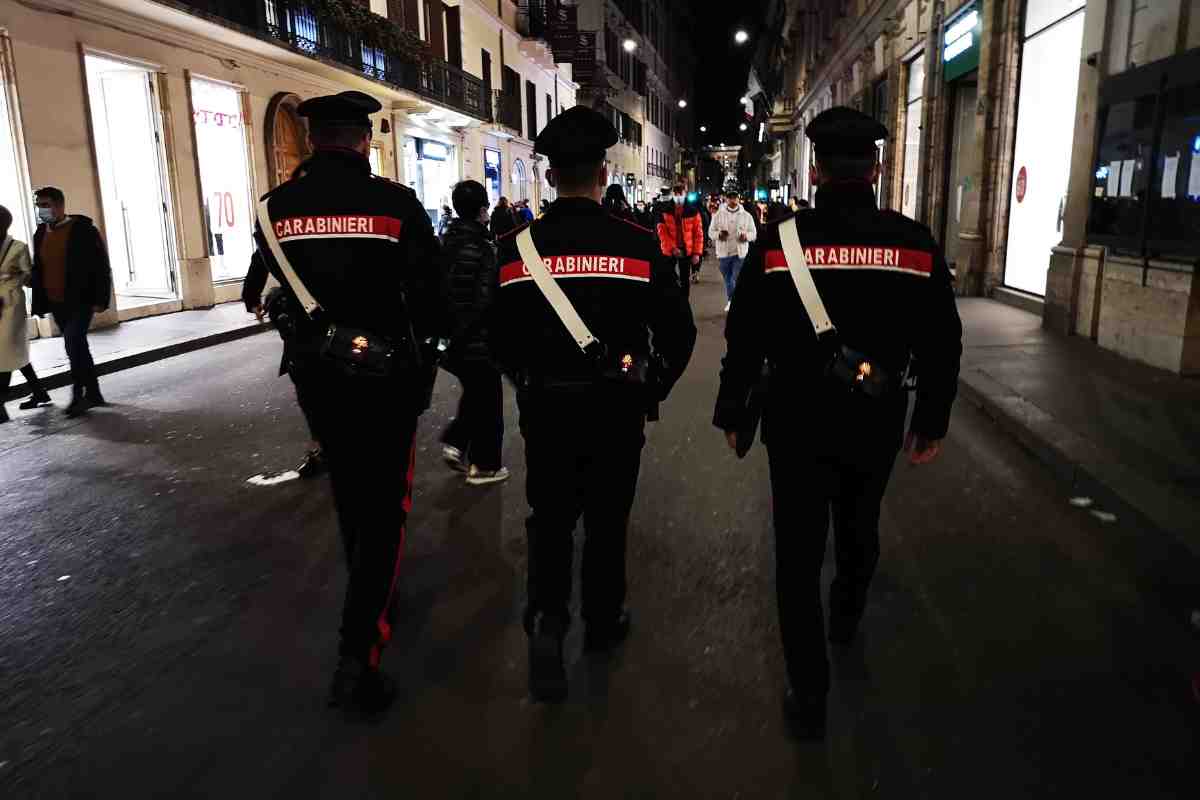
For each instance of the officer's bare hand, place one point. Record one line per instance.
(259, 312)
(921, 450)
(731, 437)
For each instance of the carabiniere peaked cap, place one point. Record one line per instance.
(578, 135)
(345, 108)
(844, 131)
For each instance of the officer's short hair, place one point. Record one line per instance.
(51, 193)
(324, 134)
(469, 198)
(6, 218)
(576, 177)
(845, 166)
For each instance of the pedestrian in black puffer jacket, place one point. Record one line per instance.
(472, 443)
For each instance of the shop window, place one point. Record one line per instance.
(430, 170)
(491, 175)
(15, 192)
(1146, 189)
(520, 188)
(221, 152)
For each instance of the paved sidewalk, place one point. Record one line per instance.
(1125, 434)
(142, 341)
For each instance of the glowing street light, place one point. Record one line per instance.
(704, 129)
(741, 37)
(744, 100)
(742, 127)
(683, 103)
(630, 45)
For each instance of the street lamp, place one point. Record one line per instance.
(683, 103)
(630, 45)
(744, 100)
(704, 129)
(741, 37)
(742, 127)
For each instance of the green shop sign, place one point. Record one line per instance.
(960, 53)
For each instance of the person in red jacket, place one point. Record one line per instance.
(680, 234)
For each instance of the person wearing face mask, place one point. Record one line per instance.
(732, 229)
(72, 281)
(15, 270)
(681, 234)
(472, 442)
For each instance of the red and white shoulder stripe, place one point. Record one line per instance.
(853, 257)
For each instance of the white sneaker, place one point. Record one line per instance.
(482, 477)
(454, 458)
(727, 305)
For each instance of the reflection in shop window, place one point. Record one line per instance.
(430, 170)
(224, 177)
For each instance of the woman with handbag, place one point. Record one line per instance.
(16, 268)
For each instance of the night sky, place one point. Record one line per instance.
(724, 65)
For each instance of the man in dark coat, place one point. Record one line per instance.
(72, 281)
(503, 220)
(472, 443)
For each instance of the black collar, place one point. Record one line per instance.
(338, 158)
(846, 194)
(576, 205)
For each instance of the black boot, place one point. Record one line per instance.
(357, 686)
(312, 465)
(79, 405)
(39, 397)
(94, 398)
(547, 672)
(600, 638)
(805, 716)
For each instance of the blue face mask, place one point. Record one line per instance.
(45, 215)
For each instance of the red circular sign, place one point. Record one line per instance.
(1022, 182)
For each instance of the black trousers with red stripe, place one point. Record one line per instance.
(583, 451)
(805, 487)
(367, 439)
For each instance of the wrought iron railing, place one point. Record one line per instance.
(296, 25)
(532, 19)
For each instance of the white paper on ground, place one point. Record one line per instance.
(1127, 177)
(1170, 176)
(273, 478)
(1081, 502)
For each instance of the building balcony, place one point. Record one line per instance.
(378, 49)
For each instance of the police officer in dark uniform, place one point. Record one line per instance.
(582, 415)
(831, 446)
(364, 248)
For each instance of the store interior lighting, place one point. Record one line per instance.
(630, 45)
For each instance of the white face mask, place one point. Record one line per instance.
(679, 199)
(45, 215)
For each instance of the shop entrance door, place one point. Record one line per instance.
(959, 185)
(1045, 133)
(127, 127)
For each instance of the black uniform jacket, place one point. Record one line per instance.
(363, 246)
(620, 284)
(887, 289)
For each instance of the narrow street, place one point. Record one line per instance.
(168, 629)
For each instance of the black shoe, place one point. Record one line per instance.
(79, 405)
(805, 716)
(359, 687)
(602, 638)
(547, 672)
(3, 414)
(35, 400)
(312, 465)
